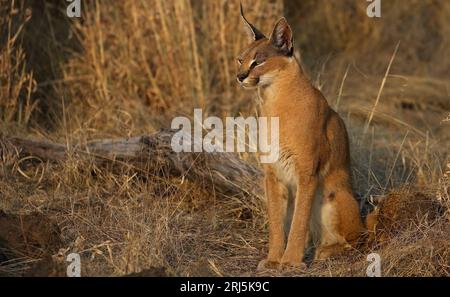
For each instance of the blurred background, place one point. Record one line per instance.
(149, 59)
(129, 67)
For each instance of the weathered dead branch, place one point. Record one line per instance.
(226, 173)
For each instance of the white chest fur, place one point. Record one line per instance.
(285, 171)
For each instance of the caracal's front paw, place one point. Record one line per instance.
(267, 264)
(288, 266)
(292, 263)
(322, 254)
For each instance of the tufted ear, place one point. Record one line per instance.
(282, 37)
(253, 33)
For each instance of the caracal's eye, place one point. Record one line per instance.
(239, 60)
(254, 64)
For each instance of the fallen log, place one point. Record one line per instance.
(226, 173)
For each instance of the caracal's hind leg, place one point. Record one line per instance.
(341, 221)
(331, 241)
(325, 252)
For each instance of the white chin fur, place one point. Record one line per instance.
(265, 80)
(248, 86)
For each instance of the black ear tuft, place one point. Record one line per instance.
(253, 33)
(282, 37)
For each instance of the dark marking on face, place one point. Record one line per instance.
(331, 196)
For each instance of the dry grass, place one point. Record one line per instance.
(17, 84)
(129, 67)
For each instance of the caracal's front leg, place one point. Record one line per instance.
(295, 250)
(276, 207)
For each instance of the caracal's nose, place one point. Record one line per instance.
(242, 76)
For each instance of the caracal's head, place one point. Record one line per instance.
(261, 62)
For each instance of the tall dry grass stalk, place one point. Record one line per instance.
(16, 82)
(383, 83)
(158, 57)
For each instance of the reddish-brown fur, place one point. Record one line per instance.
(314, 161)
